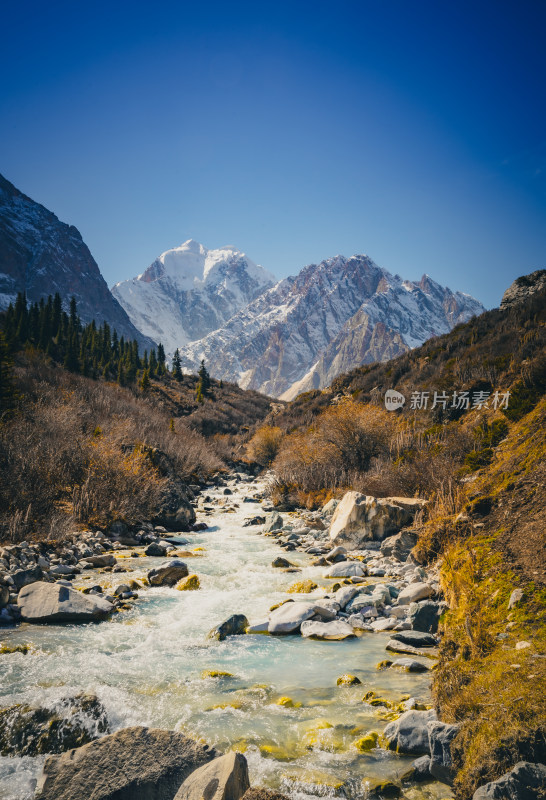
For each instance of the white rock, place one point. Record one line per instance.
(224, 778)
(289, 617)
(327, 630)
(413, 593)
(346, 569)
(360, 518)
(384, 624)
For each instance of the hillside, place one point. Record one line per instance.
(79, 450)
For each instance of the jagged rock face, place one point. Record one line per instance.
(332, 317)
(41, 255)
(190, 291)
(524, 287)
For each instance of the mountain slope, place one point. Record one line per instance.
(190, 291)
(41, 255)
(333, 316)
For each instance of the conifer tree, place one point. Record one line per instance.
(161, 367)
(203, 385)
(177, 363)
(145, 380)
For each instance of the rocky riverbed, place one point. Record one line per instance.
(259, 633)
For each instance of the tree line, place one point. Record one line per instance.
(90, 350)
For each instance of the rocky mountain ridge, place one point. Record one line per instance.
(333, 316)
(41, 255)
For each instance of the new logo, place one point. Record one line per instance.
(393, 400)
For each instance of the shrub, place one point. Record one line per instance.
(264, 445)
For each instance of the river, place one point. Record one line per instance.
(146, 666)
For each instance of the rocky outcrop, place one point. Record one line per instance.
(360, 518)
(525, 781)
(440, 737)
(522, 288)
(224, 778)
(260, 793)
(132, 764)
(54, 602)
(175, 511)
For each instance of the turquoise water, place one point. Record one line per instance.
(146, 666)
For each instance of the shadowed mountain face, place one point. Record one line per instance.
(333, 316)
(41, 255)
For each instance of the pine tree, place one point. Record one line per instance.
(177, 363)
(71, 361)
(161, 367)
(121, 374)
(145, 380)
(203, 385)
(74, 319)
(153, 363)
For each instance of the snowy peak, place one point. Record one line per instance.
(189, 291)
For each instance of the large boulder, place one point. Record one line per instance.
(525, 781)
(440, 736)
(235, 625)
(106, 560)
(425, 615)
(346, 569)
(360, 518)
(288, 617)
(131, 764)
(53, 602)
(335, 630)
(224, 778)
(416, 638)
(400, 545)
(168, 573)
(273, 522)
(26, 731)
(414, 592)
(175, 511)
(23, 577)
(408, 735)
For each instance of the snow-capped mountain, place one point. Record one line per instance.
(190, 291)
(41, 255)
(333, 316)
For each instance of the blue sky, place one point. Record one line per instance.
(411, 131)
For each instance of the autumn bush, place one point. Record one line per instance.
(264, 445)
(341, 443)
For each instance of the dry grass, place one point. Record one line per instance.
(75, 451)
